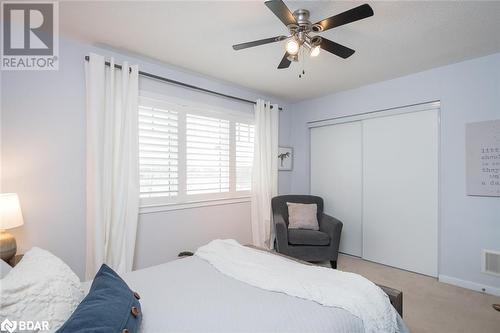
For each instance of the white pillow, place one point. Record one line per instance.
(40, 288)
(4, 269)
(302, 216)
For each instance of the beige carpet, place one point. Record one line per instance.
(431, 306)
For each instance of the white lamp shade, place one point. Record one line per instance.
(10, 211)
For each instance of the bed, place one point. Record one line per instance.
(224, 287)
(190, 295)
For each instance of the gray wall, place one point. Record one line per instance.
(469, 92)
(43, 160)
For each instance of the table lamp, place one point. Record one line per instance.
(10, 217)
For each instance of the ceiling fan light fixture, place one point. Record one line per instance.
(315, 51)
(292, 46)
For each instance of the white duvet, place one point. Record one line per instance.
(326, 286)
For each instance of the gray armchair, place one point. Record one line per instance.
(308, 245)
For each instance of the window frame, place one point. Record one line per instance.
(182, 200)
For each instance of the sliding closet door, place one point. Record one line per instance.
(400, 191)
(336, 177)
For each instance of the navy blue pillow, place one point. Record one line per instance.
(109, 307)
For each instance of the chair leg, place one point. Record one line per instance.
(334, 264)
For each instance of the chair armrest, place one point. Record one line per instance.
(333, 228)
(281, 230)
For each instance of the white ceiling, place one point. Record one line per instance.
(401, 38)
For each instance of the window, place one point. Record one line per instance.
(244, 156)
(158, 152)
(190, 154)
(207, 155)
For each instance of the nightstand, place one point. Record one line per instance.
(15, 259)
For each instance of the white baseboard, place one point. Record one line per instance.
(470, 285)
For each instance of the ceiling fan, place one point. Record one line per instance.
(301, 29)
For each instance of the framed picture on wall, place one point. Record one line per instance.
(285, 158)
(483, 158)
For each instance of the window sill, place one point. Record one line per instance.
(148, 209)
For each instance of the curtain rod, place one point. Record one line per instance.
(164, 79)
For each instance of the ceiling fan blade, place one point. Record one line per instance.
(285, 62)
(352, 15)
(258, 42)
(279, 9)
(335, 48)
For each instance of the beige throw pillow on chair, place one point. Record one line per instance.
(302, 216)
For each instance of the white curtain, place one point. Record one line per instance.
(112, 164)
(264, 172)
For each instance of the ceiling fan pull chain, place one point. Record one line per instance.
(305, 56)
(302, 72)
(301, 62)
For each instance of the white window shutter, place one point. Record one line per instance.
(189, 154)
(158, 152)
(207, 155)
(244, 156)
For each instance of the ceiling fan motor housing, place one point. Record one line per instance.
(301, 30)
(303, 24)
(302, 17)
